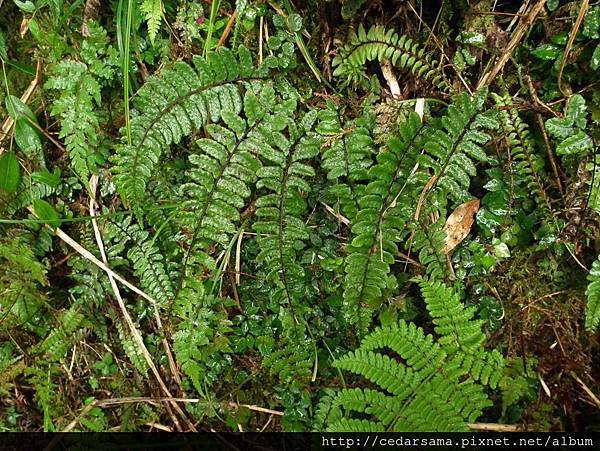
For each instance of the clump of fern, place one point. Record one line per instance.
(430, 384)
(379, 44)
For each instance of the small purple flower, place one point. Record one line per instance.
(200, 20)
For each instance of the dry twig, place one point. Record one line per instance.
(523, 27)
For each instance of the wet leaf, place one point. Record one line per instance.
(46, 212)
(458, 225)
(10, 173)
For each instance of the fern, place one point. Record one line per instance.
(281, 229)
(436, 385)
(346, 155)
(57, 343)
(153, 13)
(200, 341)
(592, 314)
(455, 142)
(80, 84)
(148, 263)
(171, 105)
(402, 188)
(526, 164)
(378, 44)
(132, 349)
(377, 225)
(225, 167)
(22, 280)
(461, 336)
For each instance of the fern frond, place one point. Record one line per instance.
(220, 178)
(452, 145)
(443, 405)
(148, 263)
(346, 155)
(378, 44)
(460, 335)
(526, 163)
(384, 208)
(171, 105)
(282, 231)
(153, 13)
(132, 350)
(57, 343)
(592, 314)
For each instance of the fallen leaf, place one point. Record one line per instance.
(458, 225)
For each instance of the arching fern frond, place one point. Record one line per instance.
(431, 385)
(455, 142)
(460, 335)
(526, 164)
(174, 103)
(378, 44)
(148, 262)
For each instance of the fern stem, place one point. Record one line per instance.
(125, 68)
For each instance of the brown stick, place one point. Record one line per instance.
(134, 331)
(227, 30)
(523, 27)
(9, 121)
(585, 4)
(494, 427)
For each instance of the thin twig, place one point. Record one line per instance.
(495, 427)
(523, 27)
(585, 4)
(227, 30)
(134, 331)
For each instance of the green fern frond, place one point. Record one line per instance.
(378, 44)
(592, 314)
(279, 225)
(132, 350)
(171, 105)
(153, 13)
(148, 263)
(460, 335)
(57, 343)
(457, 141)
(384, 208)
(526, 163)
(346, 156)
(432, 385)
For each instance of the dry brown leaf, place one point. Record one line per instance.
(458, 225)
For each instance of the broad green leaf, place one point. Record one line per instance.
(560, 127)
(579, 142)
(547, 52)
(591, 25)
(46, 212)
(552, 4)
(16, 109)
(595, 61)
(27, 6)
(576, 111)
(26, 137)
(10, 172)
